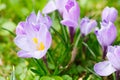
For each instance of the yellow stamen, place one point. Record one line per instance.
(35, 40)
(41, 46)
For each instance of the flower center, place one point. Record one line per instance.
(35, 40)
(40, 46)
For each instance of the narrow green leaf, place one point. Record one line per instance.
(77, 41)
(8, 31)
(59, 35)
(39, 66)
(114, 77)
(13, 74)
(63, 28)
(93, 54)
(42, 66)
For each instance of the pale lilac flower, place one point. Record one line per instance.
(87, 25)
(54, 5)
(33, 37)
(68, 9)
(71, 14)
(111, 65)
(107, 34)
(109, 14)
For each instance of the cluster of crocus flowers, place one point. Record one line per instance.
(87, 25)
(111, 65)
(107, 33)
(106, 36)
(33, 36)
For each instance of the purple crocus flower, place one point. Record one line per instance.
(109, 14)
(54, 5)
(68, 9)
(111, 65)
(87, 25)
(33, 36)
(71, 14)
(107, 34)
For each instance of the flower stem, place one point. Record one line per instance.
(75, 50)
(72, 33)
(117, 75)
(45, 60)
(104, 52)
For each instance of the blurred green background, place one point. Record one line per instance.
(14, 11)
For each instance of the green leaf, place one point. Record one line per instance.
(46, 78)
(13, 74)
(93, 54)
(38, 65)
(57, 78)
(59, 35)
(66, 77)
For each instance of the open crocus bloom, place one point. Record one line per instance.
(107, 34)
(106, 68)
(87, 25)
(109, 14)
(33, 37)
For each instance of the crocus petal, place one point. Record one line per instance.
(48, 21)
(32, 18)
(104, 68)
(109, 14)
(24, 54)
(20, 29)
(30, 29)
(50, 7)
(87, 25)
(113, 56)
(107, 34)
(39, 54)
(23, 43)
(48, 40)
(42, 32)
(60, 5)
(90, 26)
(69, 22)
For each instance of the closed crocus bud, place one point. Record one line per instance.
(71, 14)
(87, 25)
(111, 65)
(107, 34)
(109, 14)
